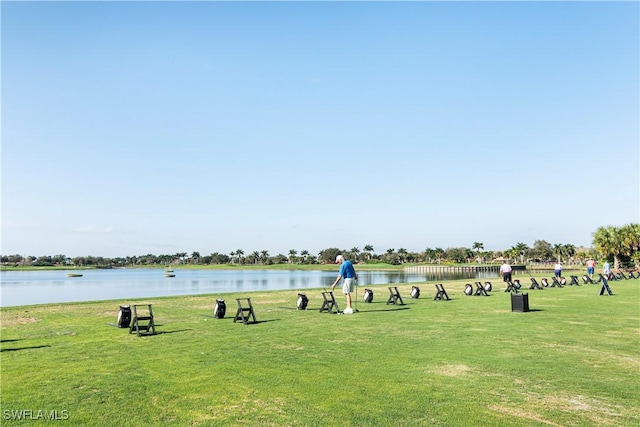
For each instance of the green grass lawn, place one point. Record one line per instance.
(573, 360)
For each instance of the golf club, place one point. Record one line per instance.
(529, 271)
(356, 284)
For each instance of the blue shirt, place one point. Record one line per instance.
(346, 270)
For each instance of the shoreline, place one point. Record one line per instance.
(427, 287)
(322, 267)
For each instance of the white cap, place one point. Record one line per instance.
(339, 258)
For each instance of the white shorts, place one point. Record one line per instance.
(347, 286)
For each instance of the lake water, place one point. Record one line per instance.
(53, 286)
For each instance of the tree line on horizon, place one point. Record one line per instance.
(619, 245)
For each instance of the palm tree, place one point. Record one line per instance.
(439, 253)
(304, 254)
(569, 251)
(630, 236)
(617, 241)
(609, 242)
(256, 256)
(477, 247)
(292, 255)
(429, 255)
(264, 255)
(558, 251)
(355, 251)
(403, 254)
(520, 249)
(368, 249)
(196, 257)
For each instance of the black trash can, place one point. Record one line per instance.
(520, 302)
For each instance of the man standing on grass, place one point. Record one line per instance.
(557, 270)
(591, 267)
(349, 276)
(606, 270)
(505, 270)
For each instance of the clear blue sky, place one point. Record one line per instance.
(164, 127)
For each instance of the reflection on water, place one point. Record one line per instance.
(41, 287)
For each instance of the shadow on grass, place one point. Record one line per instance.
(384, 309)
(258, 321)
(172, 332)
(239, 320)
(17, 339)
(143, 334)
(23, 348)
(116, 326)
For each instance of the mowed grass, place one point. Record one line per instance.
(574, 360)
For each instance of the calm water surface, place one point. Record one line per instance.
(43, 287)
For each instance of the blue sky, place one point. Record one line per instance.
(164, 127)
